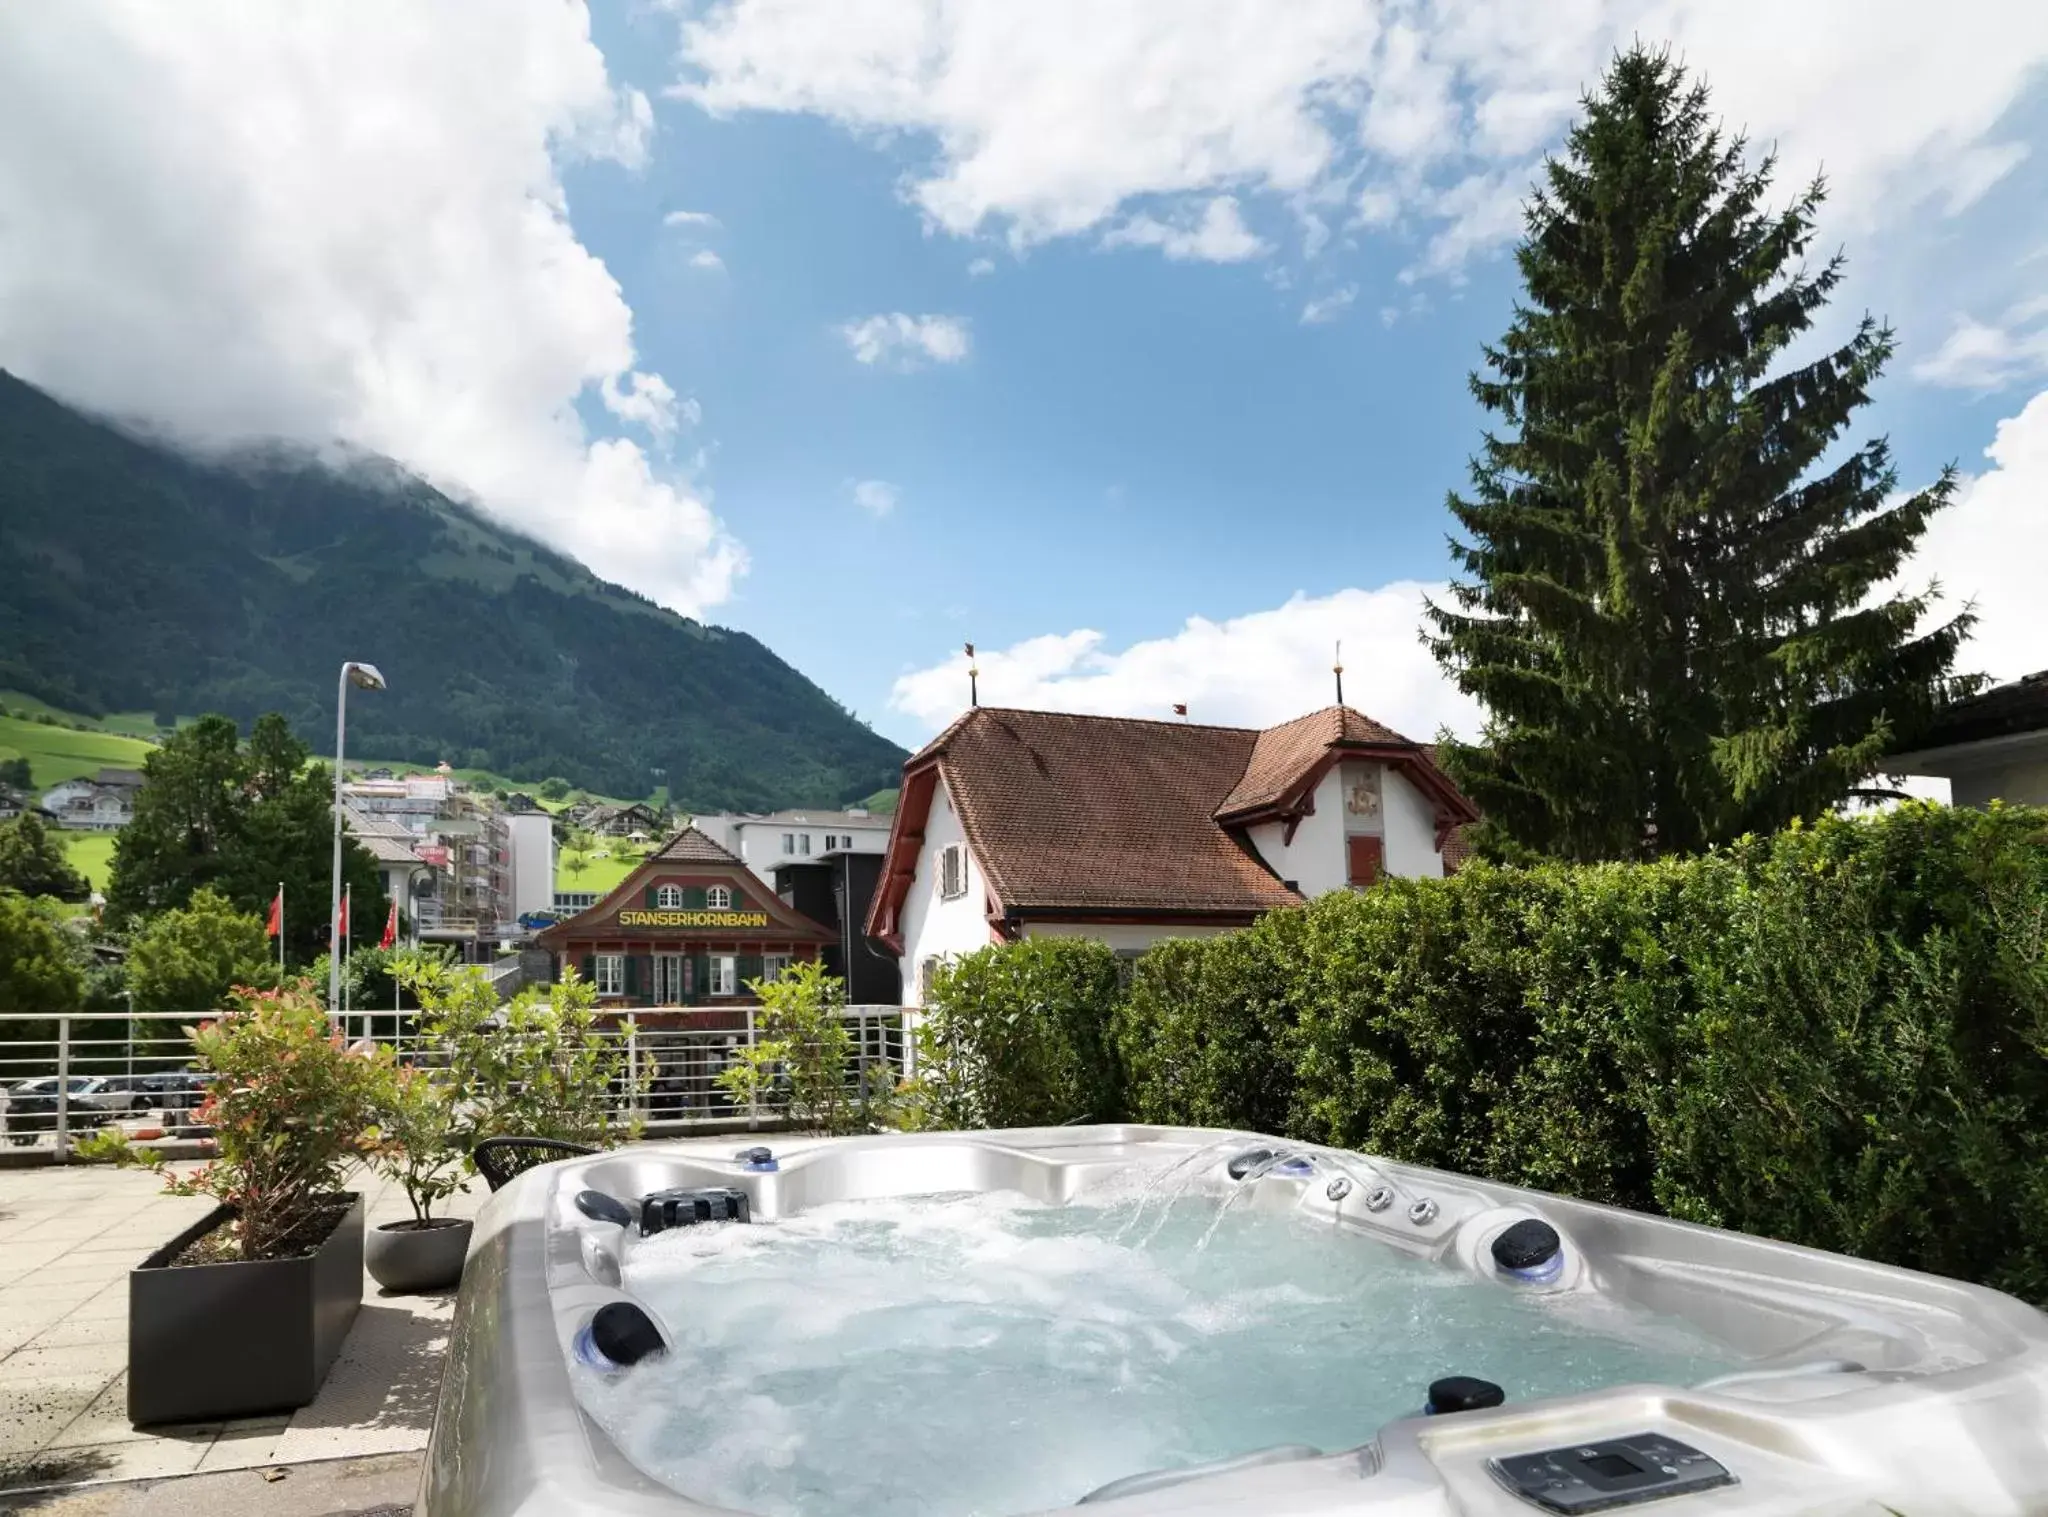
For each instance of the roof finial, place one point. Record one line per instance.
(1338, 669)
(973, 679)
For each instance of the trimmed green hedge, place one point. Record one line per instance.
(1837, 1035)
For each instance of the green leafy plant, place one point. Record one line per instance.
(1019, 1035)
(290, 1109)
(801, 1057)
(539, 1066)
(414, 1138)
(188, 958)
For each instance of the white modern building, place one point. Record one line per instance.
(522, 860)
(787, 837)
(1017, 824)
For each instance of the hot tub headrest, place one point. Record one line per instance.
(624, 1334)
(1527, 1246)
(599, 1207)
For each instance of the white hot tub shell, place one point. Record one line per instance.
(1861, 1387)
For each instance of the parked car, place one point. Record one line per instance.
(32, 1106)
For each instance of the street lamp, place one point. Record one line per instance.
(363, 677)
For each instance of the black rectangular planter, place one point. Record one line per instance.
(210, 1341)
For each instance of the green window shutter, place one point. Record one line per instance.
(589, 969)
(700, 976)
(650, 896)
(748, 968)
(632, 974)
(693, 898)
(739, 900)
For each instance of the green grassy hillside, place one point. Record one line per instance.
(61, 753)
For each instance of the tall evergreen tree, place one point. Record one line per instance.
(1668, 603)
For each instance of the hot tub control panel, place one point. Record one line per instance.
(1615, 1472)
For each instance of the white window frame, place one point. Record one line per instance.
(952, 871)
(804, 844)
(608, 973)
(789, 844)
(724, 975)
(718, 898)
(671, 978)
(668, 898)
(775, 965)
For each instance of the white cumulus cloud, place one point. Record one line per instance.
(690, 218)
(1251, 670)
(877, 497)
(1065, 117)
(346, 224)
(898, 340)
(1328, 307)
(1217, 235)
(704, 258)
(1988, 356)
(1991, 546)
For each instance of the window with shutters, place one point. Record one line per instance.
(926, 973)
(668, 979)
(952, 871)
(611, 974)
(718, 898)
(669, 898)
(725, 979)
(774, 965)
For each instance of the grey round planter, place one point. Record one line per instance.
(405, 1257)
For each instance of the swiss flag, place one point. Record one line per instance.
(390, 928)
(275, 925)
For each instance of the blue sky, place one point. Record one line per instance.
(1205, 279)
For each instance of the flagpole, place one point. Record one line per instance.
(346, 933)
(280, 934)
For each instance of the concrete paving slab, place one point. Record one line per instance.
(379, 1486)
(71, 1236)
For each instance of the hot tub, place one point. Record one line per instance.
(1164, 1320)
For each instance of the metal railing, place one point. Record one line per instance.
(67, 1075)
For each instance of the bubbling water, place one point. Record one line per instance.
(954, 1355)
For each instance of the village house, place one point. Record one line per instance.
(684, 933)
(1016, 824)
(104, 803)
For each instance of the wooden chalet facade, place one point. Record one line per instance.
(680, 938)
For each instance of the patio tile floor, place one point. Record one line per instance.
(69, 1235)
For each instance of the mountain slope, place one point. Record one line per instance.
(133, 577)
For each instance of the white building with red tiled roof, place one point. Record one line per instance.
(1020, 824)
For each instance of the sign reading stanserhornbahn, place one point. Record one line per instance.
(693, 919)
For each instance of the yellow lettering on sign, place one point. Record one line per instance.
(693, 919)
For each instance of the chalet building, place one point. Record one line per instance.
(685, 932)
(1991, 747)
(1017, 824)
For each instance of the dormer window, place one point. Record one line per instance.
(718, 898)
(669, 898)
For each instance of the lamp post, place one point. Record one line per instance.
(363, 677)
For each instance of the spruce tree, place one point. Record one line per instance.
(1669, 600)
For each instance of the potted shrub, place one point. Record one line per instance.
(412, 1143)
(244, 1312)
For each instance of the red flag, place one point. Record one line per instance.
(390, 928)
(276, 923)
(341, 922)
